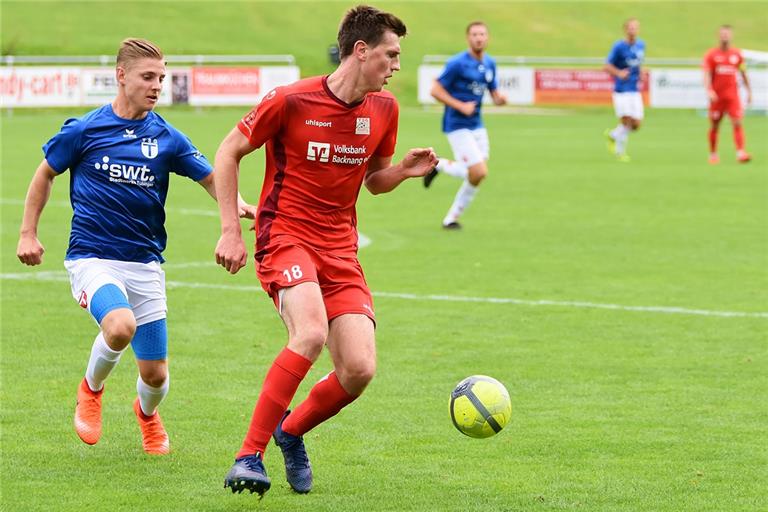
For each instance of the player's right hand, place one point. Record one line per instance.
(30, 250)
(468, 107)
(231, 253)
(623, 73)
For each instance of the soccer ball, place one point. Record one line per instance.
(480, 406)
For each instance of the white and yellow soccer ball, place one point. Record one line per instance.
(480, 406)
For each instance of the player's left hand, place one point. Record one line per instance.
(245, 210)
(749, 97)
(500, 99)
(418, 162)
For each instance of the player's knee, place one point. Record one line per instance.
(635, 125)
(477, 175)
(154, 375)
(355, 377)
(118, 327)
(309, 341)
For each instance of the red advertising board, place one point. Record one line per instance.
(578, 86)
(223, 85)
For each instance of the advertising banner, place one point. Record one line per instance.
(684, 88)
(578, 87)
(99, 86)
(39, 87)
(515, 82)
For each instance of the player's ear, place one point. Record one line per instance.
(120, 74)
(360, 50)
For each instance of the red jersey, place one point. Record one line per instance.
(723, 66)
(318, 149)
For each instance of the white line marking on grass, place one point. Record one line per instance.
(61, 276)
(65, 204)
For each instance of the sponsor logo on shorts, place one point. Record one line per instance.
(83, 300)
(369, 309)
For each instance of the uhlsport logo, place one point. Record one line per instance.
(149, 147)
(318, 151)
(130, 174)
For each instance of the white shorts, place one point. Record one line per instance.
(142, 283)
(628, 104)
(469, 146)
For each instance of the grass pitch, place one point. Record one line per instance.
(613, 409)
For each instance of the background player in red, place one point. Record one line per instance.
(721, 65)
(325, 137)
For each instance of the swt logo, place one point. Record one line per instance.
(121, 173)
(318, 151)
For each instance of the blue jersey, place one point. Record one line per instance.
(466, 79)
(119, 181)
(627, 56)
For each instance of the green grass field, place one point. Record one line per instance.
(613, 409)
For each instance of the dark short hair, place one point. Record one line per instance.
(367, 24)
(725, 25)
(476, 23)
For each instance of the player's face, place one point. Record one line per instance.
(382, 61)
(725, 35)
(477, 37)
(142, 80)
(632, 28)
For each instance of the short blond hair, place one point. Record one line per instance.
(134, 48)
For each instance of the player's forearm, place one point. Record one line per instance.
(611, 70)
(225, 192)
(37, 197)
(385, 180)
(440, 94)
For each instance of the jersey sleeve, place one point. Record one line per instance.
(189, 161)
(265, 120)
(62, 152)
(449, 74)
(387, 145)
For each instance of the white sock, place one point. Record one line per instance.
(101, 362)
(463, 197)
(451, 168)
(620, 134)
(149, 397)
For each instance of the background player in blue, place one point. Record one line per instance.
(623, 64)
(460, 88)
(120, 157)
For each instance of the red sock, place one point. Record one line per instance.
(280, 384)
(325, 400)
(713, 140)
(738, 137)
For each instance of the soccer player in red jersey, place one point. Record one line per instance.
(325, 136)
(721, 65)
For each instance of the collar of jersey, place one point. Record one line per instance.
(336, 98)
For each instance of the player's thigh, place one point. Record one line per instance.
(481, 138)
(465, 148)
(145, 284)
(99, 289)
(735, 111)
(352, 345)
(636, 108)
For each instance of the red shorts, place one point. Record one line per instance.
(730, 106)
(287, 262)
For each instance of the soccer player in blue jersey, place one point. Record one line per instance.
(460, 87)
(623, 64)
(120, 157)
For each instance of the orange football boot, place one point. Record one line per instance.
(154, 437)
(88, 413)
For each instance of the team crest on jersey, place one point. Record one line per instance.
(489, 76)
(363, 126)
(149, 147)
(734, 59)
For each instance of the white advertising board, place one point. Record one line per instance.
(684, 88)
(39, 87)
(516, 82)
